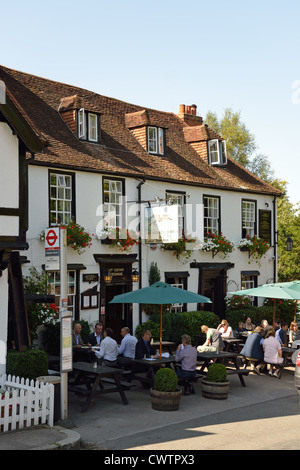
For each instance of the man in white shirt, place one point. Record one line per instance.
(127, 349)
(108, 353)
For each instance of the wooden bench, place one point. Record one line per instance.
(240, 373)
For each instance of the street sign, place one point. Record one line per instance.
(52, 248)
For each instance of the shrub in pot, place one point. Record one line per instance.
(215, 385)
(165, 395)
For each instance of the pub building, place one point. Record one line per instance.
(105, 161)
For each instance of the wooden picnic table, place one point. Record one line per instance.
(140, 366)
(231, 343)
(93, 379)
(221, 356)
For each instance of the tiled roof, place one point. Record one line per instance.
(119, 151)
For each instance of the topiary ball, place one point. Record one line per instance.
(216, 373)
(165, 380)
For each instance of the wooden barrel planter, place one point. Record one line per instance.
(215, 390)
(165, 401)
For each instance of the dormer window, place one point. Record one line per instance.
(88, 126)
(217, 154)
(155, 139)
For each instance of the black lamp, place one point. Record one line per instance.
(289, 244)
(135, 275)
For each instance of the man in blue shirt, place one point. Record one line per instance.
(281, 334)
(126, 350)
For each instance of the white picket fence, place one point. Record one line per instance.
(25, 403)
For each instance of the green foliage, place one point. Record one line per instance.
(165, 380)
(216, 373)
(38, 314)
(148, 325)
(285, 310)
(154, 273)
(29, 364)
(176, 324)
(36, 282)
(183, 248)
(240, 142)
(51, 335)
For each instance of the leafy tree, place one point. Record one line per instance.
(241, 146)
(240, 143)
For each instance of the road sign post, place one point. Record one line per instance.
(66, 326)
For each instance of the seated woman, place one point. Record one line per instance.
(225, 330)
(272, 352)
(294, 333)
(249, 326)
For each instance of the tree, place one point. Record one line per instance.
(240, 143)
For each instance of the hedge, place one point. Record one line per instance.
(284, 312)
(29, 364)
(176, 324)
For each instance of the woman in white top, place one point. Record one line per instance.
(225, 330)
(272, 352)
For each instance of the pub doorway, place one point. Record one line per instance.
(116, 315)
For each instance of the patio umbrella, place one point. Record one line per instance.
(280, 290)
(160, 293)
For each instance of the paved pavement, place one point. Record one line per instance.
(262, 415)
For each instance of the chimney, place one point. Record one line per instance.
(188, 114)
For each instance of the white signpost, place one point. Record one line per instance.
(56, 260)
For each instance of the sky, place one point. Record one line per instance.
(219, 54)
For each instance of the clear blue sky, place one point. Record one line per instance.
(159, 54)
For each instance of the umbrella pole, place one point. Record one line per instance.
(160, 337)
(274, 313)
(295, 314)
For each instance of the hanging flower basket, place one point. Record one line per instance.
(121, 238)
(77, 237)
(183, 248)
(256, 247)
(217, 243)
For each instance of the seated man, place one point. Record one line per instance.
(187, 355)
(108, 353)
(213, 337)
(77, 341)
(281, 334)
(253, 349)
(143, 346)
(95, 338)
(126, 350)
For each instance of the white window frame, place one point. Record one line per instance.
(156, 141)
(179, 200)
(81, 124)
(60, 198)
(92, 127)
(211, 214)
(217, 155)
(53, 287)
(248, 217)
(113, 203)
